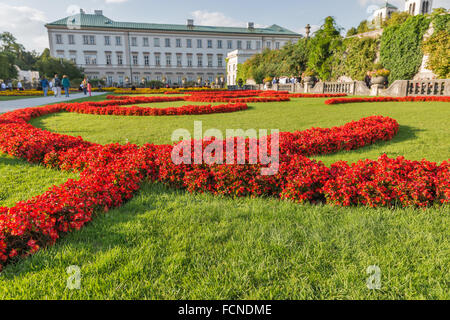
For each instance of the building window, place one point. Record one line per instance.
(189, 60)
(258, 45)
(249, 45)
(200, 60)
(85, 40)
(168, 59)
(219, 44)
(119, 59)
(167, 42)
(146, 43)
(109, 80)
(268, 44)
(189, 43)
(59, 39)
(220, 60)
(277, 45)
(92, 40)
(156, 42)
(107, 40)
(199, 43)
(121, 80)
(108, 59)
(230, 44)
(146, 60)
(210, 60)
(157, 59)
(71, 39)
(178, 41)
(118, 41)
(209, 44)
(90, 59)
(134, 42)
(179, 60)
(135, 59)
(73, 58)
(239, 44)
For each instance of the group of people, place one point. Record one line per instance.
(285, 80)
(56, 85)
(9, 86)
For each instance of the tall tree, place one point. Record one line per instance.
(325, 42)
(49, 66)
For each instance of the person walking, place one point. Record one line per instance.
(19, 86)
(368, 80)
(84, 84)
(66, 84)
(3, 86)
(89, 88)
(57, 86)
(45, 84)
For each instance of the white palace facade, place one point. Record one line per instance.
(128, 52)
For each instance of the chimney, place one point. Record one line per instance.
(82, 11)
(98, 12)
(251, 25)
(190, 23)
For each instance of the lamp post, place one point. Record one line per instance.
(308, 30)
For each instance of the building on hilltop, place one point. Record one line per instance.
(413, 7)
(129, 52)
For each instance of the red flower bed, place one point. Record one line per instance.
(387, 99)
(111, 174)
(138, 111)
(317, 95)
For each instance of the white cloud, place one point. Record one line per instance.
(400, 4)
(73, 9)
(26, 24)
(206, 18)
(115, 1)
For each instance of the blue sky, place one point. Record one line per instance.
(26, 18)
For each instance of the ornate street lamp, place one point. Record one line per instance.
(308, 30)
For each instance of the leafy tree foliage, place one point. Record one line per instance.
(401, 51)
(326, 41)
(49, 66)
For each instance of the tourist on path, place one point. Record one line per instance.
(84, 84)
(19, 86)
(66, 85)
(3, 86)
(57, 86)
(45, 84)
(89, 88)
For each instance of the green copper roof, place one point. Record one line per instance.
(388, 5)
(100, 21)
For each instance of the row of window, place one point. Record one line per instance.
(91, 59)
(188, 43)
(110, 79)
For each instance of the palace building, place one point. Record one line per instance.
(413, 7)
(129, 52)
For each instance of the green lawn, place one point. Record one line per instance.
(8, 98)
(167, 244)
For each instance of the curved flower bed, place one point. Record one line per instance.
(388, 99)
(111, 174)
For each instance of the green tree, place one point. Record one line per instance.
(7, 69)
(401, 50)
(49, 66)
(326, 41)
(25, 60)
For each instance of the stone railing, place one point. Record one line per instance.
(428, 88)
(399, 88)
(339, 87)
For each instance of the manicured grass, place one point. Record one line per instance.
(424, 131)
(20, 180)
(167, 244)
(9, 98)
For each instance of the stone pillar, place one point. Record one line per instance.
(375, 89)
